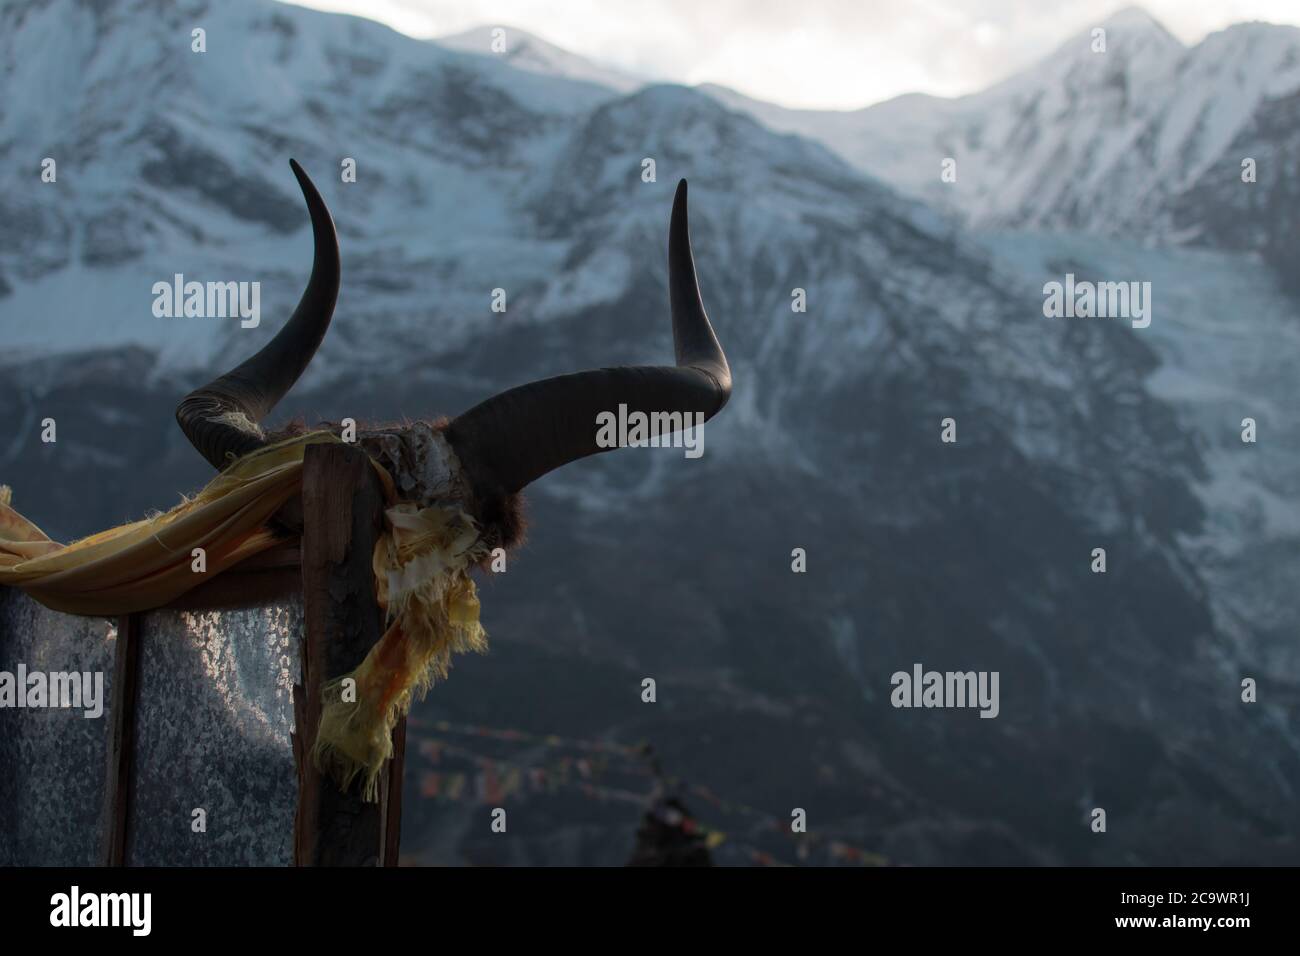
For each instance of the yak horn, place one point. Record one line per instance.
(220, 419)
(515, 437)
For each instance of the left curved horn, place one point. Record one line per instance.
(220, 419)
(515, 437)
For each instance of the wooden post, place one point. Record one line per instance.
(342, 519)
(393, 803)
(121, 742)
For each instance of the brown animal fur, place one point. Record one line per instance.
(502, 517)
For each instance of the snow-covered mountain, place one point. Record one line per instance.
(1221, 210)
(530, 53)
(1111, 142)
(476, 173)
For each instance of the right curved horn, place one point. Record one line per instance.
(519, 435)
(220, 419)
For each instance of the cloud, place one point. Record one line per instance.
(829, 54)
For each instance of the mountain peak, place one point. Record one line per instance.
(479, 39)
(1134, 17)
(1132, 27)
(529, 52)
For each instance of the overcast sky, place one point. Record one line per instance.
(830, 54)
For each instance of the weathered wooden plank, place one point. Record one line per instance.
(261, 579)
(342, 520)
(393, 799)
(121, 742)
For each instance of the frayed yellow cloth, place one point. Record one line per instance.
(148, 563)
(422, 579)
(421, 565)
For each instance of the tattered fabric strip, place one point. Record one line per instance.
(421, 567)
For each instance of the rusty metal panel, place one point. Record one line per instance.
(215, 712)
(52, 759)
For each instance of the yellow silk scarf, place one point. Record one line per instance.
(421, 565)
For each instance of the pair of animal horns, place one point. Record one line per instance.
(512, 438)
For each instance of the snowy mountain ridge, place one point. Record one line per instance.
(1105, 142)
(530, 53)
(474, 174)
